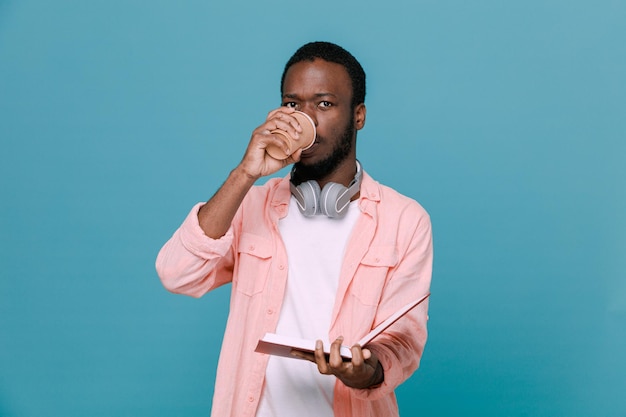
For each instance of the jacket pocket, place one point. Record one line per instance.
(371, 276)
(252, 268)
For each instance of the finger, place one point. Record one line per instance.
(320, 358)
(286, 113)
(357, 356)
(302, 355)
(283, 125)
(285, 121)
(366, 353)
(294, 157)
(278, 141)
(294, 122)
(281, 109)
(336, 361)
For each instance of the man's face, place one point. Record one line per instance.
(323, 90)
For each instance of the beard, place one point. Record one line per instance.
(323, 168)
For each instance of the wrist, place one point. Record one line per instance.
(241, 175)
(378, 377)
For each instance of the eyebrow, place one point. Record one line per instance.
(318, 95)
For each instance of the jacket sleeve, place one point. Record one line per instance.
(400, 347)
(192, 263)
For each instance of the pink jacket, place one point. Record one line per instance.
(388, 263)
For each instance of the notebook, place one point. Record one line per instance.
(274, 344)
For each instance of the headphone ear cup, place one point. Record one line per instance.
(308, 197)
(329, 200)
(333, 201)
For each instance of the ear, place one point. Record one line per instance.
(359, 116)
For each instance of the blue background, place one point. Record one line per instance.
(506, 120)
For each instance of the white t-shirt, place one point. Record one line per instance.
(315, 250)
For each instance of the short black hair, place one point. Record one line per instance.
(331, 53)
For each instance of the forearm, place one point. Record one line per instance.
(216, 216)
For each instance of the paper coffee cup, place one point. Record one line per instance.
(306, 140)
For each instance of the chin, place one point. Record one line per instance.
(309, 160)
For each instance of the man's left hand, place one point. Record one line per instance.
(363, 371)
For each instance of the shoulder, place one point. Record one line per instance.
(261, 198)
(267, 191)
(392, 202)
(261, 205)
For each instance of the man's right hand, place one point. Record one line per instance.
(256, 162)
(217, 214)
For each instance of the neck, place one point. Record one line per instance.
(343, 173)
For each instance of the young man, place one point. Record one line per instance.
(329, 277)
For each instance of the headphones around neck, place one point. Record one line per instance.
(332, 201)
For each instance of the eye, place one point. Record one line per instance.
(291, 104)
(325, 104)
